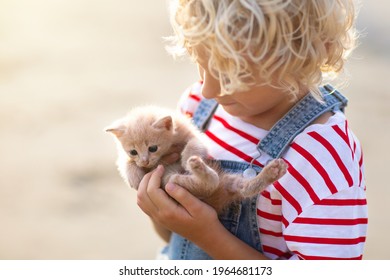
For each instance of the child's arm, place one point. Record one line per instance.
(164, 233)
(192, 219)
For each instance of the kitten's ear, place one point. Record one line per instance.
(117, 130)
(163, 123)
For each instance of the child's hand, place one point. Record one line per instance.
(179, 211)
(176, 209)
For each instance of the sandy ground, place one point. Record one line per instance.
(68, 68)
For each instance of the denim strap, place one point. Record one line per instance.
(298, 118)
(204, 113)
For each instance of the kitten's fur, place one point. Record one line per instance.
(148, 133)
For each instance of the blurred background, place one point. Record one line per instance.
(69, 68)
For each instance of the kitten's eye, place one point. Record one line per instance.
(153, 149)
(133, 153)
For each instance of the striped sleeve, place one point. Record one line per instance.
(318, 210)
(334, 228)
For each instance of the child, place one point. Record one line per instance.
(262, 64)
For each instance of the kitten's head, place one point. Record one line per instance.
(145, 138)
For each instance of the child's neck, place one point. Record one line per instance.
(272, 106)
(267, 119)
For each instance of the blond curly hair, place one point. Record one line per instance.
(290, 44)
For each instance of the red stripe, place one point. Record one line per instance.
(333, 222)
(325, 240)
(273, 250)
(272, 233)
(314, 162)
(361, 166)
(267, 195)
(346, 133)
(341, 134)
(306, 257)
(342, 202)
(294, 203)
(334, 154)
(304, 183)
(344, 136)
(231, 149)
(286, 255)
(285, 222)
(354, 149)
(187, 113)
(239, 132)
(361, 159)
(269, 216)
(195, 97)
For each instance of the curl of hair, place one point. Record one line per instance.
(290, 44)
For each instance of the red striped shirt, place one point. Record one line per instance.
(319, 204)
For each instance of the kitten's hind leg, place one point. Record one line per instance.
(202, 171)
(270, 173)
(202, 180)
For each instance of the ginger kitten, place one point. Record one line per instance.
(149, 133)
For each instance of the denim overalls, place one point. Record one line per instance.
(241, 217)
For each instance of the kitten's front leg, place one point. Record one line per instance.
(133, 175)
(270, 173)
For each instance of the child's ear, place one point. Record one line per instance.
(117, 129)
(163, 123)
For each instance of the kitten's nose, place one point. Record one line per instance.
(145, 162)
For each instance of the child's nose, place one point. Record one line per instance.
(211, 87)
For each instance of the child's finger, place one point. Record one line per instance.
(143, 199)
(191, 203)
(155, 179)
(155, 193)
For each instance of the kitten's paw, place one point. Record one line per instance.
(203, 173)
(274, 170)
(196, 164)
